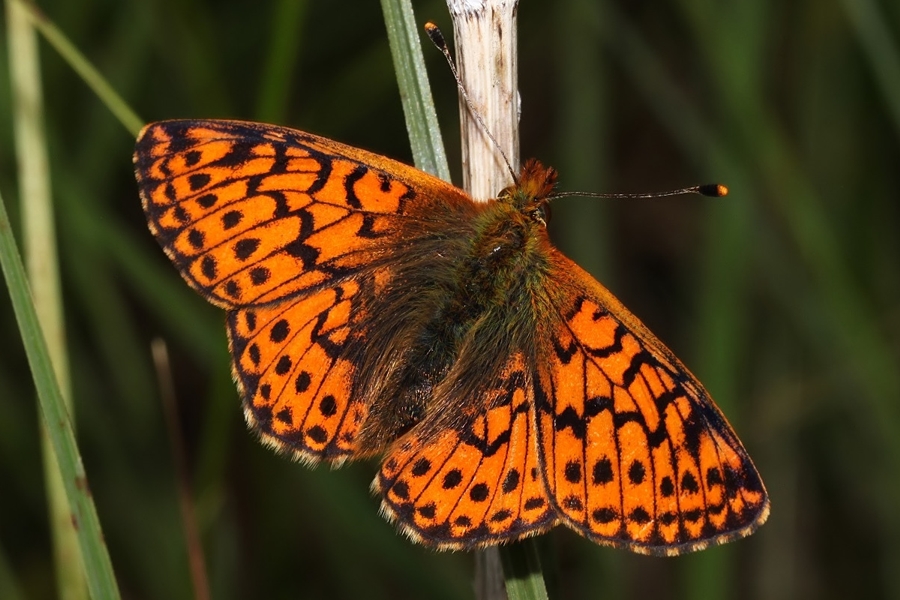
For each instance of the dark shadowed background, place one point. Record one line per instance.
(783, 298)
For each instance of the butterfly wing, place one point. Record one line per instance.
(476, 483)
(292, 233)
(252, 213)
(293, 372)
(634, 451)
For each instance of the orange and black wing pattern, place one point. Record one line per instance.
(475, 483)
(252, 214)
(634, 452)
(291, 233)
(289, 359)
(372, 307)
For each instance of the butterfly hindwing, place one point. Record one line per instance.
(634, 451)
(476, 484)
(252, 213)
(290, 363)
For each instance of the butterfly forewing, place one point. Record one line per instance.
(634, 452)
(253, 213)
(292, 232)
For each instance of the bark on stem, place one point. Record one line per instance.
(486, 57)
(485, 36)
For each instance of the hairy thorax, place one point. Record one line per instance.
(462, 300)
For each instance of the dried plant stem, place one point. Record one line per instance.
(196, 558)
(486, 58)
(485, 34)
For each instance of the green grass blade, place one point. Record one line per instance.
(522, 570)
(97, 565)
(288, 19)
(9, 586)
(39, 237)
(874, 36)
(85, 69)
(415, 92)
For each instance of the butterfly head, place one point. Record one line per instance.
(532, 190)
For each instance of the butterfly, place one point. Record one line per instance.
(375, 310)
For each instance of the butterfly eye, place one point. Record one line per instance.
(541, 213)
(545, 211)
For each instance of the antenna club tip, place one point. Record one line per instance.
(433, 32)
(713, 190)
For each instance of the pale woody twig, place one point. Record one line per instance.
(485, 40)
(484, 33)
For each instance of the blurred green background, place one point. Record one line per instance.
(784, 298)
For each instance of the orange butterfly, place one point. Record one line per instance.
(372, 308)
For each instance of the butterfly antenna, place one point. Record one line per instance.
(712, 190)
(437, 38)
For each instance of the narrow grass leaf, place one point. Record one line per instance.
(39, 239)
(415, 93)
(97, 565)
(80, 65)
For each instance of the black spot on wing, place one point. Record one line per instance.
(401, 489)
(534, 503)
(421, 467)
(196, 239)
(283, 366)
(602, 472)
(198, 181)
(604, 515)
(666, 487)
(452, 479)
(639, 515)
(572, 471)
(284, 415)
(317, 434)
(479, 492)
(328, 406)
(280, 331)
(192, 157)
(207, 200)
(689, 483)
(301, 383)
(208, 267)
(231, 219)
(259, 275)
(244, 249)
(511, 481)
(636, 472)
